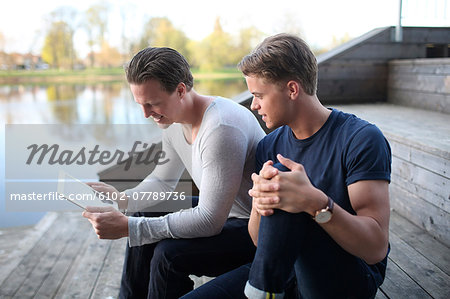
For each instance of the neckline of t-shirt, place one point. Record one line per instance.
(308, 140)
(200, 130)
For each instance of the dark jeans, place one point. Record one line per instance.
(162, 270)
(294, 243)
(231, 286)
(322, 268)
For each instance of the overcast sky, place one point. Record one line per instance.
(22, 22)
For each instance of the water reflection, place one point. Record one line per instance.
(224, 88)
(69, 104)
(104, 103)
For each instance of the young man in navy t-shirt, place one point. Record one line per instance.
(320, 196)
(322, 186)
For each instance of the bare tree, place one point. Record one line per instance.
(95, 24)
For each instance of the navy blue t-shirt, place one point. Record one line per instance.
(345, 150)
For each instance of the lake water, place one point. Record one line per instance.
(103, 103)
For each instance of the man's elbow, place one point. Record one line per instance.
(254, 237)
(376, 256)
(216, 229)
(211, 229)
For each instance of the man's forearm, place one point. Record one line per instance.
(253, 225)
(359, 235)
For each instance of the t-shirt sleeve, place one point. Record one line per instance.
(163, 178)
(260, 156)
(368, 156)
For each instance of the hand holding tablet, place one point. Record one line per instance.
(81, 194)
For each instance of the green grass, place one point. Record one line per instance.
(62, 73)
(226, 72)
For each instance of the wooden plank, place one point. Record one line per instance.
(422, 100)
(46, 262)
(69, 276)
(435, 144)
(422, 179)
(400, 150)
(421, 192)
(66, 260)
(83, 277)
(421, 66)
(356, 88)
(433, 280)
(23, 247)
(419, 82)
(424, 130)
(397, 283)
(434, 220)
(9, 238)
(108, 284)
(31, 259)
(422, 242)
(353, 69)
(381, 295)
(428, 161)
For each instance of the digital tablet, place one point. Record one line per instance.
(80, 194)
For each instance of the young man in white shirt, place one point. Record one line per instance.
(213, 138)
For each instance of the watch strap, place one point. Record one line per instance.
(330, 205)
(327, 210)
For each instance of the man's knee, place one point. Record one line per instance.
(166, 253)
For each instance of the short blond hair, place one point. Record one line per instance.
(281, 58)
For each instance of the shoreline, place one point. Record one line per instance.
(96, 75)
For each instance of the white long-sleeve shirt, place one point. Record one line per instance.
(220, 162)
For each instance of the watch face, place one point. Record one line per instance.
(323, 216)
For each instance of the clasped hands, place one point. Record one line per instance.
(107, 222)
(290, 191)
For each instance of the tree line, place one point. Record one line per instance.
(216, 51)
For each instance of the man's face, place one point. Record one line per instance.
(268, 100)
(156, 103)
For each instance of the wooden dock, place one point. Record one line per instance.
(61, 257)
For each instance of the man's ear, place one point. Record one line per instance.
(294, 89)
(181, 90)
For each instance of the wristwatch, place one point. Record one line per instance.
(324, 215)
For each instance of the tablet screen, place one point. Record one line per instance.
(80, 194)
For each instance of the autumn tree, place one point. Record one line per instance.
(215, 51)
(247, 40)
(58, 46)
(160, 32)
(108, 56)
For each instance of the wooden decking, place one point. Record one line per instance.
(418, 266)
(62, 258)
